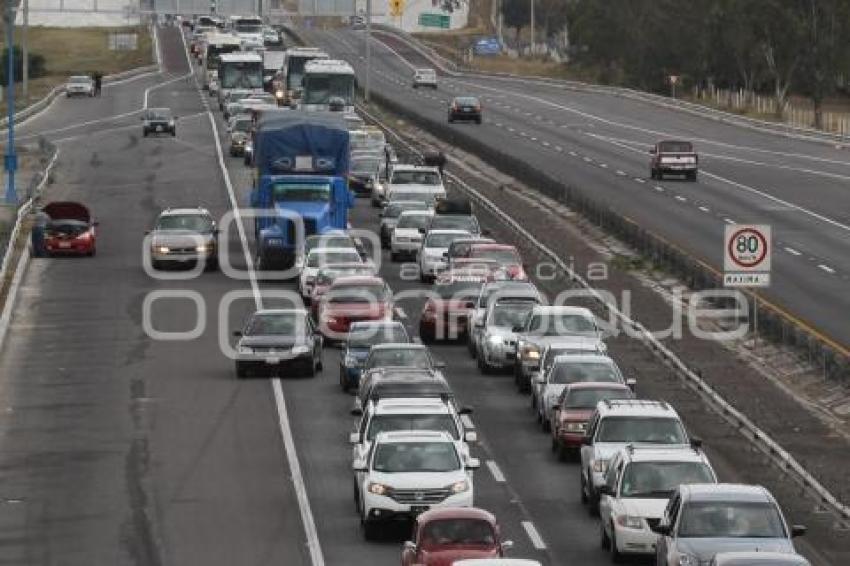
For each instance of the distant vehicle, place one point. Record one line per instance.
(702, 520)
(425, 77)
(288, 83)
(365, 173)
(271, 37)
(184, 236)
(353, 299)
(278, 340)
(465, 109)
(407, 235)
(414, 178)
(79, 85)
(321, 257)
(443, 536)
(507, 256)
(326, 276)
(390, 215)
(445, 315)
(361, 337)
(434, 248)
(328, 84)
(673, 157)
(400, 383)
(239, 71)
(249, 29)
(272, 64)
(492, 291)
(574, 408)
(497, 336)
(70, 229)
(159, 121)
(239, 131)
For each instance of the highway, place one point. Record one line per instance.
(116, 448)
(599, 143)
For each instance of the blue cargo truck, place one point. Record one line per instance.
(302, 162)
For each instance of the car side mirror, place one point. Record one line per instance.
(237, 333)
(446, 255)
(653, 151)
(586, 441)
(358, 465)
(96, 223)
(465, 410)
(485, 232)
(473, 464)
(357, 412)
(605, 490)
(632, 383)
(661, 529)
(507, 545)
(798, 530)
(695, 442)
(410, 546)
(147, 232)
(470, 436)
(354, 437)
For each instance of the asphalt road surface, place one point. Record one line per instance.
(120, 449)
(600, 144)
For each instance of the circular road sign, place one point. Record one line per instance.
(747, 248)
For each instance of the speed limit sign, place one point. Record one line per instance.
(746, 255)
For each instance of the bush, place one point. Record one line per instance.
(37, 65)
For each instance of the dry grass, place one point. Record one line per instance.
(69, 51)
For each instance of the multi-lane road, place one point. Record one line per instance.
(599, 143)
(116, 448)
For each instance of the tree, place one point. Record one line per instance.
(36, 65)
(516, 14)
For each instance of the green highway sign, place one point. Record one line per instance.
(441, 21)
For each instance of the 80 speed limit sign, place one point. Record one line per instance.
(746, 255)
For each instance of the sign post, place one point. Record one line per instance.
(747, 250)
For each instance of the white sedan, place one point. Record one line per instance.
(432, 255)
(319, 258)
(406, 237)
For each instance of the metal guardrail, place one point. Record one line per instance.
(758, 437)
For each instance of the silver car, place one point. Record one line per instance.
(184, 236)
(497, 342)
(702, 520)
(79, 85)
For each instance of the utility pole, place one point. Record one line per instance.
(25, 90)
(532, 27)
(368, 50)
(10, 160)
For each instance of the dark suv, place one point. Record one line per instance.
(158, 121)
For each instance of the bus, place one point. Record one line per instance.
(239, 71)
(287, 84)
(217, 45)
(327, 81)
(249, 29)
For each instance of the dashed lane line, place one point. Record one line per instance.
(533, 535)
(495, 471)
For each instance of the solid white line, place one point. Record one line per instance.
(80, 125)
(495, 471)
(533, 535)
(792, 251)
(547, 144)
(559, 148)
(587, 159)
(826, 268)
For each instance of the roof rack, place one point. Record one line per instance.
(610, 403)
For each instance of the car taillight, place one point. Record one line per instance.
(454, 106)
(478, 108)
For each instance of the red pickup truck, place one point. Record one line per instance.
(673, 157)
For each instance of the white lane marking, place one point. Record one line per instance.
(704, 209)
(162, 84)
(621, 173)
(79, 125)
(659, 189)
(792, 251)
(399, 312)
(533, 139)
(316, 556)
(681, 198)
(826, 268)
(728, 221)
(511, 129)
(533, 535)
(559, 148)
(495, 471)
(587, 159)
(604, 165)
(547, 144)
(574, 154)
(639, 180)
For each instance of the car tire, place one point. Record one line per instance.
(582, 488)
(343, 382)
(320, 366)
(451, 120)
(92, 252)
(478, 120)
(616, 555)
(426, 336)
(652, 174)
(545, 424)
(473, 353)
(310, 369)
(394, 257)
(370, 530)
(604, 541)
(212, 265)
(692, 176)
(241, 370)
(144, 133)
(563, 452)
(173, 132)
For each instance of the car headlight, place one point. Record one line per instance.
(531, 353)
(629, 521)
(494, 340)
(171, 122)
(600, 466)
(459, 487)
(278, 94)
(245, 350)
(302, 349)
(688, 560)
(274, 242)
(162, 249)
(203, 248)
(378, 488)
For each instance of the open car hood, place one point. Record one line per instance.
(68, 210)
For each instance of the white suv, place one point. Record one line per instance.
(406, 238)
(407, 473)
(638, 485)
(614, 425)
(425, 77)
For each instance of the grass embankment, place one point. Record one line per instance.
(72, 51)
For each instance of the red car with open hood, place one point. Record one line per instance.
(444, 535)
(70, 229)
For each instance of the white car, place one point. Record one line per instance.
(417, 177)
(572, 368)
(318, 258)
(497, 337)
(616, 424)
(406, 238)
(491, 291)
(638, 485)
(425, 77)
(79, 85)
(407, 473)
(432, 255)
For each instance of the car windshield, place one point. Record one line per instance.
(503, 256)
(79, 80)
(731, 519)
(327, 241)
(359, 294)
(394, 210)
(583, 372)
(658, 480)
(372, 335)
(588, 398)
(420, 196)
(504, 288)
(652, 430)
(462, 532)
(289, 192)
(390, 423)
(454, 222)
(511, 314)
(416, 178)
(159, 114)
(190, 222)
(283, 324)
(319, 258)
(365, 165)
(551, 324)
(242, 126)
(459, 290)
(442, 240)
(399, 357)
(328, 276)
(400, 457)
(67, 227)
(413, 221)
(675, 147)
(466, 101)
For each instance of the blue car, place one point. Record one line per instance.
(361, 337)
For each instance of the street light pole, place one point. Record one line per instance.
(368, 50)
(532, 27)
(10, 160)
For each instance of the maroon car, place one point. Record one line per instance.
(445, 315)
(508, 258)
(70, 229)
(353, 299)
(444, 535)
(574, 408)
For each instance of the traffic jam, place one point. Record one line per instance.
(291, 118)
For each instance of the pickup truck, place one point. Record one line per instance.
(676, 157)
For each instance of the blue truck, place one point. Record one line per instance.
(302, 162)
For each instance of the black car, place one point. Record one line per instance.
(279, 342)
(159, 121)
(465, 108)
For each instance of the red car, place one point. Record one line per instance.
(70, 229)
(445, 315)
(574, 408)
(327, 275)
(508, 258)
(353, 299)
(444, 535)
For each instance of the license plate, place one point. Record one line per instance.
(64, 244)
(159, 128)
(271, 360)
(467, 109)
(418, 509)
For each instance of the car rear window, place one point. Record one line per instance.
(675, 147)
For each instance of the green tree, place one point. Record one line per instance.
(516, 14)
